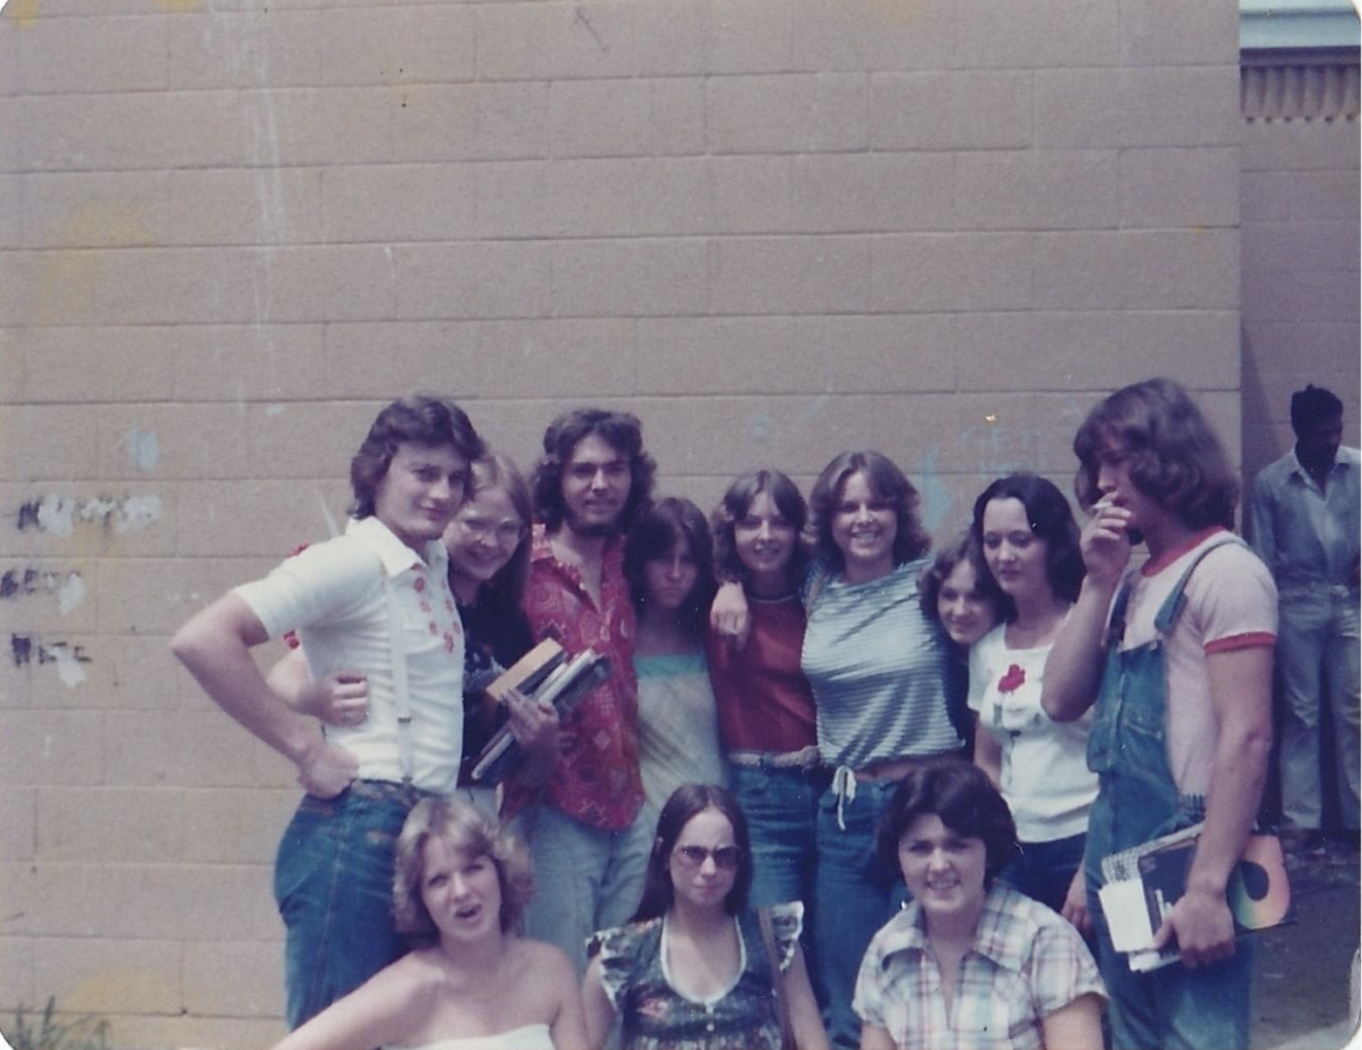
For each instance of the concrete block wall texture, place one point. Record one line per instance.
(1300, 235)
(230, 230)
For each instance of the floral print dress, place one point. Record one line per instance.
(655, 1016)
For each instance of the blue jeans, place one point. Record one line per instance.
(855, 897)
(781, 806)
(589, 879)
(333, 881)
(1044, 870)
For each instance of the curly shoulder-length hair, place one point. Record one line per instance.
(1051, 519)
(1175, 458)
(687, 801)
(961, 794)
(887, 482)
(962, 550)
(468, 828)
(621, 431)
(422, 419)
(737, 504)
(495, 471)
(653, 536)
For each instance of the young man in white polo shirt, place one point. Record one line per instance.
(375, 602)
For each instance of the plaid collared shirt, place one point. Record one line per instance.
(1026, 963)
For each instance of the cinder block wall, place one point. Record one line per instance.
(1300, 246)
(231, 229)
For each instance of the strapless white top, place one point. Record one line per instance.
(529, 1037)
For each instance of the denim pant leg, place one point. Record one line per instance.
(781, 806)
(622, 883)
(333, 884)
(1174, 1008)
(1044, 870)
(570, 859)
(854, 899)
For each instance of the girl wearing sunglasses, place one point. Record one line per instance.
(696, 968)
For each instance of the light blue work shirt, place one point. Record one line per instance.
(1308, 537)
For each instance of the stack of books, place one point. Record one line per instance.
(1144, 882)
(544, 675)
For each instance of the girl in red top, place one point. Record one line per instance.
(766, 712)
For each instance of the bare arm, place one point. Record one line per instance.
(728, 614)
(1073, 670)
(382, 1010)
(1075, 906)
(338, 698)
(988, 753)
(1241, 695)
(215, 646)
(1077, 1026)
(805, 1018)
(874, 1038)
(599, 1011)
(568, 1028)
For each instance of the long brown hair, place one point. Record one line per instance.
(1176, 459)
(887, 482)
(688, 801)
(495, 471)
(736, 504)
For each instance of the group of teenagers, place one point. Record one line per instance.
(835, 790)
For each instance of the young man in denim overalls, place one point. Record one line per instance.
(1177, 655)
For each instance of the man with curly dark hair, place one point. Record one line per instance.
(592, 482)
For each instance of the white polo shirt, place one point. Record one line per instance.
(333, 594)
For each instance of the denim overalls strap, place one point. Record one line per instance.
(1128, 747)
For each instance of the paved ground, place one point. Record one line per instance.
(1305, 984)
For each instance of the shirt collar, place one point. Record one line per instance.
(542, 550)
(1341, 462)
(995, 937)
(395, 555)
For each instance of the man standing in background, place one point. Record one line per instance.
(1305, 527)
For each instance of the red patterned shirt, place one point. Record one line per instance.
(597, 780)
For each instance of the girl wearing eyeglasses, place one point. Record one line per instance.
(489, 564)
(696, 969)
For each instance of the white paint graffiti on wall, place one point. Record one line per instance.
(67, 586)
(144, 450)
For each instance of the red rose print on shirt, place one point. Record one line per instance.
(1012, 681)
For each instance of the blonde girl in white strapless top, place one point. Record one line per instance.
(469, 983)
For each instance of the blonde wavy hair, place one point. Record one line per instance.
(465, 827)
